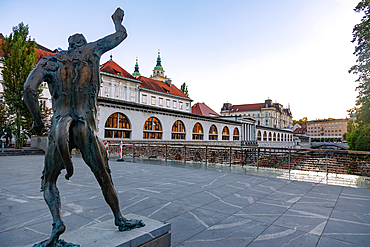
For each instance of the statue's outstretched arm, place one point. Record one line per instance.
(30, 96)
(109, 42)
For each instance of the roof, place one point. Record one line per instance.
(40, 54)
(247, 107)
(113, 68)
(301, 130)
(202, 109)
(161, 87)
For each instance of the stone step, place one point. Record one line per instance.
(24, 151)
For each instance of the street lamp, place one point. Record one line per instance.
(322, 133)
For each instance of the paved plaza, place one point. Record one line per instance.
(205, 208)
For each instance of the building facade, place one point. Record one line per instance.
(126, 121)
(327, 128)
(267, 114)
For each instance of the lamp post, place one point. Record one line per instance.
(322, 133)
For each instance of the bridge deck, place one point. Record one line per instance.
(205, 208)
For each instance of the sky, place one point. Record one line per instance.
(295, 52)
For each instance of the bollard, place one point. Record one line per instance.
(120, 152)
(106, 145)
(2, 147)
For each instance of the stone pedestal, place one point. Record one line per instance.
(153, 234)
(39, 142)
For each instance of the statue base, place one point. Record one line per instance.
(154, 233)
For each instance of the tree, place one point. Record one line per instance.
(358, 133)
(361, 35)
(360, 139)
(301, 121)
(184, 89)
(19, 59)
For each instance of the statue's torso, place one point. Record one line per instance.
(74, 83)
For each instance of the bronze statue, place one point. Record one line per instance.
(74, 82)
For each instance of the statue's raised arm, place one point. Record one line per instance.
(109, 42)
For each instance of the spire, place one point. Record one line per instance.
(111, 57)
(159, 64)
(136, 72)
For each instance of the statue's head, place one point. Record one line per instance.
(76, 40)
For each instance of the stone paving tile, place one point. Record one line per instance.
(263, 211)
(331, 242)
(349, 227)
(166, 211)
(233, 231)
(281, 236)
(197, 199)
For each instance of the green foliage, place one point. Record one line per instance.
(301, 121)
(184, 89)
(19, 59)
(3, 115)
(359, 139)
(361, 36)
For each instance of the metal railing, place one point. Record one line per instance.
(311, 160)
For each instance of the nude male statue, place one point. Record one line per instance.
(74, 82)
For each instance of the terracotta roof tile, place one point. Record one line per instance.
(113, 68)
(247, 107)
(202, 109)
(40, 54)
(160, 87)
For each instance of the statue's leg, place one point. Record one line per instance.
(54, 162)
(53, 167)
(95, 156)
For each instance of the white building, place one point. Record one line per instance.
(266, 114)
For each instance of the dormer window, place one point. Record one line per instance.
(119, 73)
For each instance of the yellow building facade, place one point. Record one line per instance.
(327, 128)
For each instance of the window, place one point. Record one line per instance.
(225, 133)
(120, 93)
(160, 101)
(274, 137)
(270, 139)
(267, 122)
(167, 102)
(174, 104)
(180, 105)
(197, 132)
(236, 134)
(143, 99)
(153, 100)
(187, 106)
(117, 126)
(132, 96)
(259, 136)
(212, 133)
(264, 136)
(178, 130)
(152, 129)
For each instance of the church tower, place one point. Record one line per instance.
(136, 72)
(158, 72)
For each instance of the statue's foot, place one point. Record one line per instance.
(127, 225)
(58, 229)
